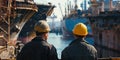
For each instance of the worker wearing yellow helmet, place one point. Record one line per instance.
(38, 48)
(79, 49)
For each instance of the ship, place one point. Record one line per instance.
(71, 18)
(105, 26)
(15, 15)
(21, 17)
(27, 33)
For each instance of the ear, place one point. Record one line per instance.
(45, 34)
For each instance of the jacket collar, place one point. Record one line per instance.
(78, 40)
(38, 39)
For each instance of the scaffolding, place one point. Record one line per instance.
(13, 16)
(5, 11)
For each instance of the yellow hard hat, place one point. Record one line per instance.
(42, 26)
(80, 29)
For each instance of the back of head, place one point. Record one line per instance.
(41, 27)
(80, 29)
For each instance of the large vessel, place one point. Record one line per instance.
(106, 27)
(15, 17)
(73, 17)
(27, 32)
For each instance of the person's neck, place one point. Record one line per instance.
(79, 38)
(43, 37)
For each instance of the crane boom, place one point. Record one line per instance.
(60, 9)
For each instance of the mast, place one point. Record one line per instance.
(102, 5)
(76, 7)
(94, 6)
(85, 8)
(110, 5)
(60, 9)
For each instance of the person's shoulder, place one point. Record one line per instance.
(27, 45)
(92, 48)
(66, 49)
(47, 45)
(89, 46)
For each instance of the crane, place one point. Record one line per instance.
(60, 9)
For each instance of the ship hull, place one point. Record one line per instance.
(18, 19)
(27, 33)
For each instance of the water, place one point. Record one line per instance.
(60, 43)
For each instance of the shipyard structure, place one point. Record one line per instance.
(105, 23)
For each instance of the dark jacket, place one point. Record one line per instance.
(79, 49)
(38, 49)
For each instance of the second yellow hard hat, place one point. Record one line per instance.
(80, 29)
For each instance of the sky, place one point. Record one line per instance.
(57, 12)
